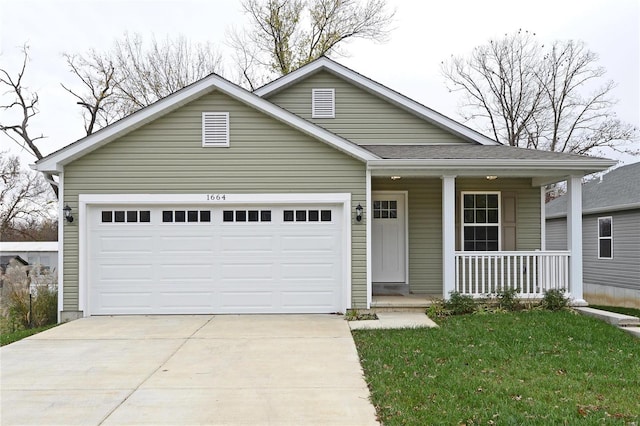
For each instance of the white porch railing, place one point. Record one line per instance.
(531, 272)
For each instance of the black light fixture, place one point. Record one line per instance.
(359, 213)
(67, 213)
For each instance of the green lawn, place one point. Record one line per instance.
(6, 338)
(534, 367)
(619, 309)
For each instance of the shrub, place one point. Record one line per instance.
(437, 309)
(19, 312)
(508, 299)
(554, 299)
(460, 304)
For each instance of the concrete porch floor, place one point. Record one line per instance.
(397, 303)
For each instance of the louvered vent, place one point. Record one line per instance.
(323, 103)
(215, 129)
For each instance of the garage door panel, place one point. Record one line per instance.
(126, 300)
(187, 271)
(308, 271)
(185, 300)
(304, 300)
(120, 245)
(242, 245)
(186, 244)
(120, 271)
(249, 301)
(238, 271)
(216, 267)
(309, 243)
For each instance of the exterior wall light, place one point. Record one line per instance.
(359, 213)
(492, 177)
(67, 213)
(396, 177)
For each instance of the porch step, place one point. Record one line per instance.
(407, 303)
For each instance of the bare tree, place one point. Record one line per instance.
(24, 197)
(24, 107)
(133, 75)
(285, 34)
(98, 78)
(548, 98)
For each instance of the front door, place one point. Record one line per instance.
(389, 247)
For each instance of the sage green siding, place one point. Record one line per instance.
(527, 211)
(425, 221)
(360, 116)
(167, 157)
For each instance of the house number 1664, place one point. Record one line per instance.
(216, 197)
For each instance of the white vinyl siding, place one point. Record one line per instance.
(323, 103)
(605, 237)
(215, 129)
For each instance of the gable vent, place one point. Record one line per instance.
(215, 129)
(323, 103)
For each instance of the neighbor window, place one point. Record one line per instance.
(481, 221)
(605, 237)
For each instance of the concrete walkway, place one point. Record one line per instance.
(390, 320)
(213, 370)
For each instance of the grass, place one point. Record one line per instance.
(525, 368)
(7, 337)
(619, 309)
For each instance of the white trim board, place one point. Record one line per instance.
(85, 201)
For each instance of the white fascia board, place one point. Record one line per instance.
(486, 165)
(215, 198)
(383, 91)
(39, 246)
(55, 162)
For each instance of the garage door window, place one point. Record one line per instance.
(246, 216)
(307, 215)
(186, 216)
(126, 216)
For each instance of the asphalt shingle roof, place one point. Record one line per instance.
(466, 151)
(618, 188)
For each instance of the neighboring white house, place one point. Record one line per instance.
(610, 236)
(44, 253)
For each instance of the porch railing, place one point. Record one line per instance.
(530, 272)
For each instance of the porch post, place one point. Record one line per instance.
(574, 238)
(448, 235)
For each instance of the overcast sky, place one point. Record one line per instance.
(425, 34)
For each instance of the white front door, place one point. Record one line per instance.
(388, 241)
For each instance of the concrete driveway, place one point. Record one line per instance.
(185, 370)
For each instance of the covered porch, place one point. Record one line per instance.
(476, 226)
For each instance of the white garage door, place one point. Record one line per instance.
(227, 259)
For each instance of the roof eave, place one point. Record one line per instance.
(596, 210)
(586, 165)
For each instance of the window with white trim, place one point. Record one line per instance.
(323, 103)
(215, 129)
(480, 221)
(605, 237)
